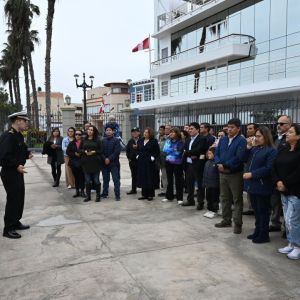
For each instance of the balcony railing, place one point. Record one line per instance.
(201, 50)
(180, 11)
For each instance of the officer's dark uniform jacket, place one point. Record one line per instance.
(13, 152)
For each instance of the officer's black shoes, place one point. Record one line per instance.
(11, 234)
(22, 227)
(82, 194)
(55, 184)
(131, 192)
(200, 206)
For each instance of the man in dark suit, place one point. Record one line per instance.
(194, 153)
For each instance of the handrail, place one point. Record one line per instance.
(182, 10)
(202, 48)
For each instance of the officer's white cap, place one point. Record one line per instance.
(20, 115)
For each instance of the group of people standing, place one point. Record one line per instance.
(263, 165)
(85, 155)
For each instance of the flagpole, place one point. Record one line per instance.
(150, 54)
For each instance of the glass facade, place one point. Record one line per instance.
(275, 24)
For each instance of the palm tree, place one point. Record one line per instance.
(50, 16)
(20, 14)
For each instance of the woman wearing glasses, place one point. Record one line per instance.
(91, 150)
(73, 152)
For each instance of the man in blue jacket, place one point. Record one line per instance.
(111, 154)
(230, 156)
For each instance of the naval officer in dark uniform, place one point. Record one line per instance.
(13, 155)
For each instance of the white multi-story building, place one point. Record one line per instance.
(215, 59)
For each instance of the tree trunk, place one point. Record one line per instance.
(11, 95)
(19, 103)
(15, 90)
(35, 106)
(27, 88)
(50, 15)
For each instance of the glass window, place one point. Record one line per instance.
(293, 16)
(164, 55)
(234, 78)
(293, 39)
(211, 79)
(278, 18)
(246, 76)
(261, 73)
(278, 43)
(222, 77)
(116, 90)
(234, 24)
(277, 54)
(262, 21)
(164, 88)
(293, 50)
(261, 58)
(247, 18)
(293, 67)
(277, 67)
(174, 86)
(263, 47)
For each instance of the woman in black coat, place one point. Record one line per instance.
(148, 171)
(91, 150)
(73, 152)
(53, 148)
(286, 175)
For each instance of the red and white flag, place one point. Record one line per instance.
(102, 107)
(145, 44)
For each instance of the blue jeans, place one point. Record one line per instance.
(92, 177)
(291, 212)
(115, 173)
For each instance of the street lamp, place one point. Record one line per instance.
(84, 86)
(68, 100)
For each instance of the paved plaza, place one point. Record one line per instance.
(133, 250)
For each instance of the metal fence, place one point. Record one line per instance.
(217, 114)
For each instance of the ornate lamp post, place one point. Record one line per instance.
(84, 86)
(68, 100)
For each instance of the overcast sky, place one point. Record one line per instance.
(91, 36)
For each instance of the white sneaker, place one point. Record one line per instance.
(289, 248)
(209, 214)
(69, 186)
(294, 254)
(164, 200)
(179, 202)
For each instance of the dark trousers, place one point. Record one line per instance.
(174, 171)
(114, 170)
(133, 169)
(92, 178)
(276, 209)
(13, 182)
(148, 193)
(56, 171)
(79, 177)
(261, 207)
(213, 199)
(194, 175)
